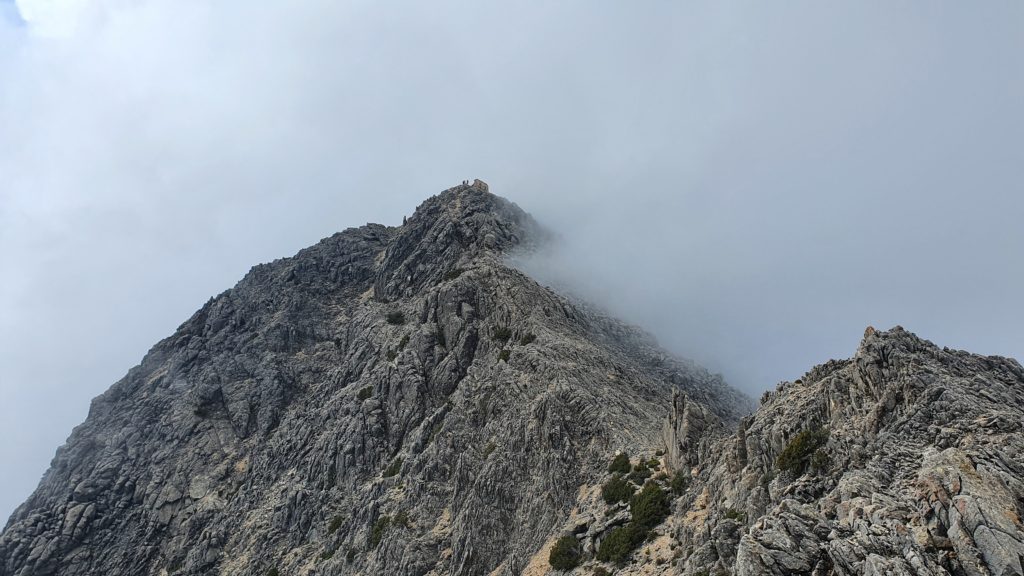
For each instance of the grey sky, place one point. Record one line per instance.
(753, 184)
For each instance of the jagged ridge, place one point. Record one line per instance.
(392, 400)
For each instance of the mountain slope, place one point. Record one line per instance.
(392, 400)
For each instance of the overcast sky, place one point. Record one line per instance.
(754, 182)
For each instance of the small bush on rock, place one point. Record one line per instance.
(820, 460)
(365, 393)
(680, 482)
(650, 507)
(616, 490)
(565, 555)
(619, 544)
(796, 456)
(395, 317)
(502, 334)
(620, 464)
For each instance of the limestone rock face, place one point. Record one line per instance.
(920, 469)
(392, 400)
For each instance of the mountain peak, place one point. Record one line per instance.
(448, 230)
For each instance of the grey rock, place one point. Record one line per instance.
(291, 423)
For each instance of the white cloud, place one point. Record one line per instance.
(59, 18)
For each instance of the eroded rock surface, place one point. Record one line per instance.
(393, 400)
(922, 471)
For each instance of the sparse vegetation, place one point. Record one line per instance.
(378, 530)
(650, 507)
(565, 555)
(734, 514)
(820, 460)
(680, 482)
(395, 317)
(350, 555)
(394, 468)
(441, 340)
(391, 355)
(273, 572)
(527, 339)
(403, 342)
(620, 463)
(335, 524)
(616, 490)
(327, 554)
(504, 355)
(365, 393)
(796, 456)
(501, 334)
(601, 571)
(640, 473)
(659, 453)
(619, 544)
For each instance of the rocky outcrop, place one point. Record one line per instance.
(917, 467)
(393, 400)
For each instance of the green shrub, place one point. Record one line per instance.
(734, 514)
(680, 482)
(639, 475)
(650, 507)
(327, 554)
(335, 524)
(565, 555)
(391, 355)
(527, 339)
(504, 355)
(601, 571)
(616, 490)
(395, 317)
(403, 342)
(620, 464)
(659, 453)
(350, 555)
(365, 393)
(378, 530)
(619, 544)
(394, 468)
(796, 456)
(273, 572)
(820, 460)
(453, 273)
(501, 334)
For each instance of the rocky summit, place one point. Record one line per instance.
(401, 400)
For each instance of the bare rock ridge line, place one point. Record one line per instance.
(399, 400)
